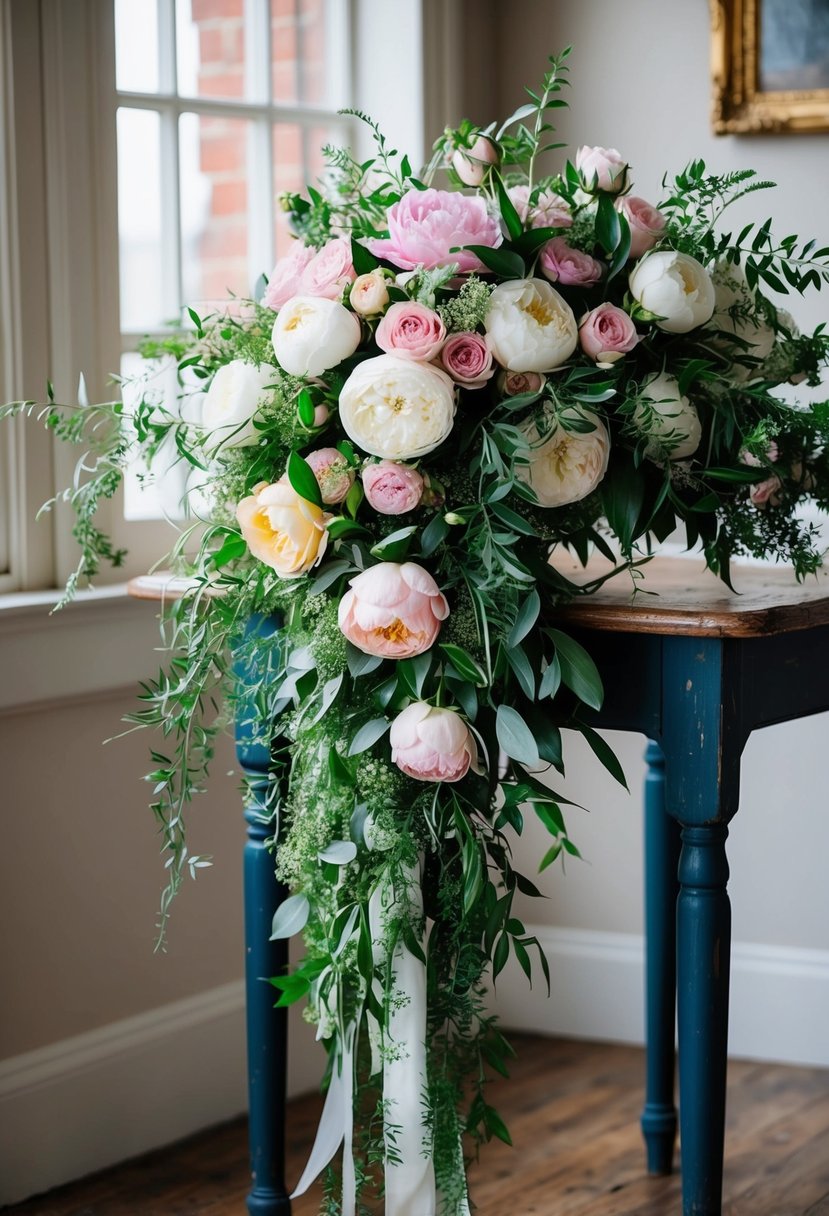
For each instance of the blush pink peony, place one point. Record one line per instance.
(426, 225)
(601, 169)
(646, 223)
(606, 333)
(286, 280)
(432, 744)
(468, 360)
(411, 331)
(393, 610)
(548, 211)
(392, 488)
(561, 263)
(329, 271)
(333, 473)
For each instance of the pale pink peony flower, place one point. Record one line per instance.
(570, 267)
(425, 225)
(512, 384)
(393, 610)
(287, 276)
(602, 169)
(646, 223)
(468, 360)
(329, 270)
(411, 331)
(392, 488)
(334, 475)
(550, 210)
(432, 744)
(473, 164)
(606, 333)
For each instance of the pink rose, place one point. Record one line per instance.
(646, 224)
(321, 415)
(601, 169)
(392, 610)
(767, 493)
(607, 333)
(411, 331)
(425, 225)
(568, 266)
(473, 164)
(512, 384)
(334, 475)
(550, 210)
(432, 744)
(392, 488)
(329, 270)
(286, 280)
(467, 359)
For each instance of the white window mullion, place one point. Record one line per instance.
(260, 142)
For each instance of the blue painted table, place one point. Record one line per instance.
(696, 669)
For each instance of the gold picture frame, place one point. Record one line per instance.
(757, 78)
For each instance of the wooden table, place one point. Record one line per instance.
(696, 669)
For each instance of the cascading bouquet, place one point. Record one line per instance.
(438, 388)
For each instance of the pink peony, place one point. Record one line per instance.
(512, 384)
(329, 270)
(425, 225)
(432, 744)
(334, 475)
(286, 279)
(392, 610)
(646, 223)
(602, 169)
(392, 488)
(548, 211)
(570, 267)
(607, 333)
(468, 360)
(411, 331)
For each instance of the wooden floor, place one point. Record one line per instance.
(572, 1109)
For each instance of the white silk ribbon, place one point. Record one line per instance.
(335, 1128)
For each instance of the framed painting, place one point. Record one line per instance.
(769, 66)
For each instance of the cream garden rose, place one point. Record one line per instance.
(282, 529)
(396, 408)
(668, 419)
(236, 394)
(312, 334)
(565, 466)
(676, 288)
(530, 327)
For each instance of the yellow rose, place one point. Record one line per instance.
(282, 529)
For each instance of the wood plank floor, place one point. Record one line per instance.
(572, 1109)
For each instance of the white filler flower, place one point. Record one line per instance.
(236, 394)
(675, 288)
(565, 466)
(530, 327)
(312, 334)
(397, 408)
(669, 420)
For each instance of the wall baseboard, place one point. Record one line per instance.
(87, 1102)
(779, 995)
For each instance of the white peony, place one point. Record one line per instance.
(529, 326)
(675, 288)
(312, 334)
(236, 394)
(565, 466)
(397, 408)
(668, 419)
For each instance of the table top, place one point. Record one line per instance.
(675, 595)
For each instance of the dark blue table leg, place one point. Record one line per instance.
(659, 1116)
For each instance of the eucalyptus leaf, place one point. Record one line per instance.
(368, 735)
(515, 737)
(578, 671)
(339, 852)
(290, 917)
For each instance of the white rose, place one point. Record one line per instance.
(668, 419)
(312, 334)
(675, 288)
(736, 312)
(235, 396)
(530, 327)
(565, 466)
(397, 408)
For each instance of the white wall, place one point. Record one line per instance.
(640, 82)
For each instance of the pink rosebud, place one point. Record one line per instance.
(411, 331)
(334, 475)
(286, 280)
(646, 223)
(570, 267)
(426, 225)
(606, 333)
(321, 415)
(472, 164)
(513, 384)
(392, 488)
(329, 270)
(767, 493)
(601, 169)
(392, 610)
(468, 360)
(432, 744)
(550, 210)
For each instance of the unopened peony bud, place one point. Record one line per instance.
(472, 164)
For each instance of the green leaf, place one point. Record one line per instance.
(608, 228)
(526, 618)
(520, 664)
(501, 261)
(360, 663)
(578, 671)
(495, 1125)
(368, 735)
(339, 852)
(233, 548)
(290, 917)
(499, 959)
(395, 546)
(549, 857)
(515, 737)
(512, 519)
(551, 679)
(464, 664)
(510, 215)
(328, 575)
(305, 408)
(434, 534)
(362, 259)
(303, 480)
(605, 755)
(523, 958)
(339, 526)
